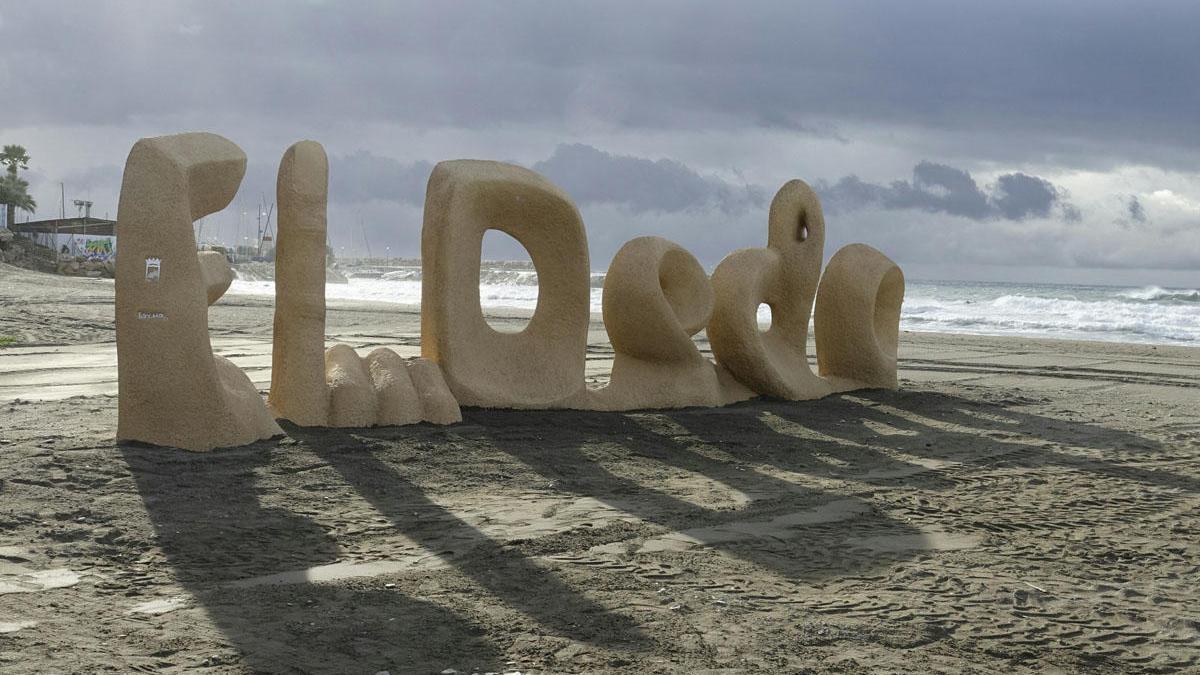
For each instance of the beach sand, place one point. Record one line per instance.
(1018, 506)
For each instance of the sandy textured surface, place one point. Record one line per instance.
(1019, 506)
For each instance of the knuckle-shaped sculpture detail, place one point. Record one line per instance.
(857, 319)
(215, 274)
(397, 401)
(784, 276)
(656, 297)
(312, 386)
(173, 390)
(543, 365)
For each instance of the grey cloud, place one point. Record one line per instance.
(105, 177)
(592, 176)
(363, 176)
(1018, 196)
(939, 188)
(378, 199)
(1136, 212)
(1121, 84)
(1070, 212)
(589, 175)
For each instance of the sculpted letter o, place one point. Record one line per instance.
(543, 365)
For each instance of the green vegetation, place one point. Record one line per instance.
(14, 190)
(7, 341)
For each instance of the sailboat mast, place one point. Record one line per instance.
(366, 241)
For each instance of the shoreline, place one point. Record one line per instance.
(78, 322)
(233, 313)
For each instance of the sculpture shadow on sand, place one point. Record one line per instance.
(223, 529)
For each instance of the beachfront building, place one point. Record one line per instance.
(88, 238)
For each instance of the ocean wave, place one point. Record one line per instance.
(492, 277)
(1093, 313)
(1159, 294)
(1067, 317)
(413, 274)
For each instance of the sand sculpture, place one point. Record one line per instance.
(784, 276)
(298, 390)
(656, 297)
(858, 319)
(543, 365)
(311, 386)
(173, 390)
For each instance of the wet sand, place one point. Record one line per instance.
(1018, 506)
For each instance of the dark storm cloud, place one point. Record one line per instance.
(378, 199)
(642, 185)
(1136, 212)
(589, 175)
(1111, 77)
(362, 177)
(939, 188)
(1018, 196)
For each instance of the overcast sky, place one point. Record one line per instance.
(1005, 140)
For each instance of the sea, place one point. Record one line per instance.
(1150, 314)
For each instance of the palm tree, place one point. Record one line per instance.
(13, 156)
(15, 192)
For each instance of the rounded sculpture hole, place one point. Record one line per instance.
(686, 287)
(886, 315)
(764, 317)
(508, 283)
(802, 229)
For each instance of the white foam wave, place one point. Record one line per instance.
(1062, 317)
(491, 277)
(1159, 294)
(1042, 311)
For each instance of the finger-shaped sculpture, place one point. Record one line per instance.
(543, 365)
(784, 276)
(396, 399)
(351, 388)
(309, 385)
(656, 297)
(438, 404)
(172, 390)
(858, 319)
(298, 390)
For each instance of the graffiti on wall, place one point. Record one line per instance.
(97, 249)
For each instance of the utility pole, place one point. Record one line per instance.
(85, 210)
(62, 215)
(258, 239)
